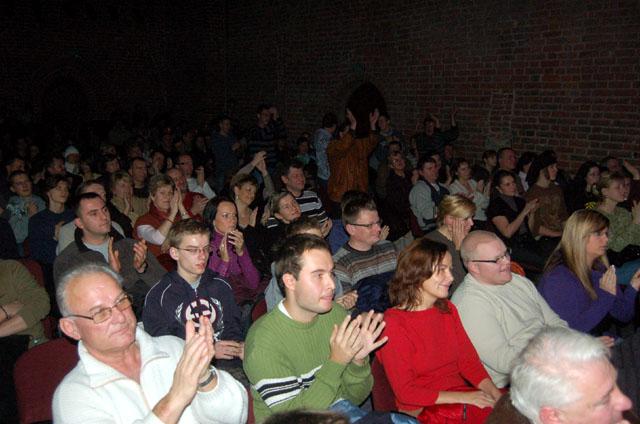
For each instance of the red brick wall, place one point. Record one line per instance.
(561, 75)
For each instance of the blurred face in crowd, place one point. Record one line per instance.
(429, 172)
(226, 218)
(56, 167)
(178, 179)
(246, 193)
(508, 186)
(225, 126)
(21, 185)
(383, 123)
(185, 163)
(94, 218)
(464, 171)
(507, 160)
(397, 162)
(59, 193)
(289, 209)
(365, 230)
(613, 165)
(123, 189)
(264, 117)
(112, 166)
(18, 165)
(162, 197)
(138, 170)
(294, 181)
(593, 176)
(615, 191)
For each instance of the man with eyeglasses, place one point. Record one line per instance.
(96, 240)
(124, 375)
(365, 263)
(500, 311)
(193, 291)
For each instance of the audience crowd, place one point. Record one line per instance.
(161, 245)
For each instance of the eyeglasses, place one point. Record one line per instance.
(369, 226)
(195, 250)
(104, 314)
(504, 257)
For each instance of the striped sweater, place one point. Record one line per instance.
(288, 365)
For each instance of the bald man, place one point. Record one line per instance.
(500, 311)
(124, 375)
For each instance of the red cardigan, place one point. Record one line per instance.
(427, 352)
(155, 218)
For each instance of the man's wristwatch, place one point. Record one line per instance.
(212, 374)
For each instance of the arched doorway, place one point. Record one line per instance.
(362, 101)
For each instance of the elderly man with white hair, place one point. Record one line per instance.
(563, 377)
(124, 375)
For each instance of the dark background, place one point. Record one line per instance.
(532, 74)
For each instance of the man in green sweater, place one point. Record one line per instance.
(307, 352)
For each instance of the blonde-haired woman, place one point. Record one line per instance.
(454, 221)
(578, 282)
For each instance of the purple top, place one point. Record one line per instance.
(238, 266)
(567, 297)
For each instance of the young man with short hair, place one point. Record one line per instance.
(192, 291)
(307, 352)
(427, 193)
(365, 262)
(22, 205)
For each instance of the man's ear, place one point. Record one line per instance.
(173, 252)
(349, 229)
(284, 179)
(289, 281)
(549, 415)
(68, 327)
(78, 223)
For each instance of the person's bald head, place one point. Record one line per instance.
(486, 258)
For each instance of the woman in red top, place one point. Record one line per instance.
(429, 358)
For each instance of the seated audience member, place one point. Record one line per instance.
(581, 193)
(8, 245)
(624, 226)
(426, 194)
(284, 208)
(365, 263)
(95, 240)
(500, 311)
(548, 218)
(258, 163)
(398, 186)
(429, 358)
(244, 188)
(109, 164)
(197, 184)
(387, 135)
(455, 219)
(44, 227)
(54, 167)
(266, 134)
(564, 376)
(273, 295)
(294, 181)
(348, 157)
(230, 257)
(477, 192)
(138, 172)
(484, 170)
(193, 203)
(578, 282)
(224, 146)
(321, 139)
(165, 209)
(611, 164)
(125, 208)
(68, 230)
(508, 213)
(11, 164)
(23, 303)
(22, 205)
(432, 138)
(193, 291)
(523, 166)
(141, 378)
(307, 352)
(631, 185)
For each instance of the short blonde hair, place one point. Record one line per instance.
(457, 206)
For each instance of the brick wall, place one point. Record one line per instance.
(536, 75)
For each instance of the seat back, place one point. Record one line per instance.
(37, 374)
(415, 226)
(382, 394)
(258, 309)
(49, 323)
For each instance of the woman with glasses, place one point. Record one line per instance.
(578, 282)
(229, 256)
(454, 220)
(433, 368)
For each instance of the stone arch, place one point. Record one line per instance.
(361, 97)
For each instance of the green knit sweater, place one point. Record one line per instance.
(288, 365)
(623, 231)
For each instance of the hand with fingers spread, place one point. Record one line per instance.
(608, 281)
(352, 120)
(223, 251)
(199, 203)
(114, 257)
(373, 119)
(370, 330)
(140, 256)
(384, 232)
(345, 340)
(348, 300)
(608, 341)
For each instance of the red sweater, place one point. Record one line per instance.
(427, 352)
